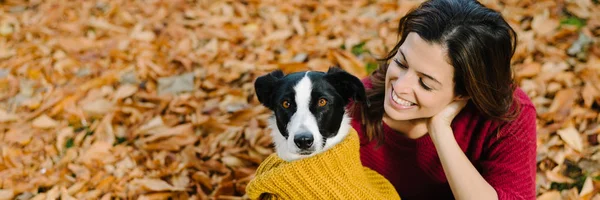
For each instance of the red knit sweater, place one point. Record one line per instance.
(506, 159)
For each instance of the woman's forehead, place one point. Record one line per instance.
(426, 57)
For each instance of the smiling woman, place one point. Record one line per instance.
(446, 120)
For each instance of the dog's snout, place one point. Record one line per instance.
(304, 140)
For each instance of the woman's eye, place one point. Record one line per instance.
(400, 64)
(424, 85)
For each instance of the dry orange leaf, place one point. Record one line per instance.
(155, 185)
(44, 122)
(572, 137)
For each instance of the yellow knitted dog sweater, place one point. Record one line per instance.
(334, 174)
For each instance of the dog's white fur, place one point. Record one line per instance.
(303, 120)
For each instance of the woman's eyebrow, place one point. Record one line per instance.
(424, 74)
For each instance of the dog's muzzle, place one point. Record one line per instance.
(304, 142)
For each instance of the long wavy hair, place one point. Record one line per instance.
(479, 45)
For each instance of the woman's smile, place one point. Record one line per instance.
(400, 103)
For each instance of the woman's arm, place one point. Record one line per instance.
(507, 171)
(465, 181)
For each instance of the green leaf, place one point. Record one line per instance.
(371, 66)
(69, 143)
(359, 49)
(579, 181)
(120, 140)
(89, 132)
(572, 20)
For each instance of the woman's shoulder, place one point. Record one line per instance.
(523, 126)
(522, 98)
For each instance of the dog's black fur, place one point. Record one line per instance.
(336, 86)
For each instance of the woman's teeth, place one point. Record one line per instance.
(401, 101)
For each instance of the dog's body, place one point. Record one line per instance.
(309, 109)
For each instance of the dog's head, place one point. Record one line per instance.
(309, 109)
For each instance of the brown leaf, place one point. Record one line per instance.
(561, 105)
(62, 137)
(552, 195)
(572, 137)
(44, 122)
(19, 135)
(183, 129)
(543, 26)
(203, 179)
(6, 194)
(97, 107)
(99, 151)
(151, 184)
(588, 188)
(558, 178)
(7, 117)
(349, 63)
(125, 91)
(528, 70)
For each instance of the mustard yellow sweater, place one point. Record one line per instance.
(334, 174)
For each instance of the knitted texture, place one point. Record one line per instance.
(334, 174)
(504, 155)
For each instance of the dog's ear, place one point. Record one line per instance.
(347, 85)
(265, 85)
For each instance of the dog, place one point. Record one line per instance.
(309, 109)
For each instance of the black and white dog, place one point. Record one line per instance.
(309, 109)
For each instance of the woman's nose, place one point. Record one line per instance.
(403, 84)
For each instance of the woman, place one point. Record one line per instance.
(446, 119)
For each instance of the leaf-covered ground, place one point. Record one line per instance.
(155, 100)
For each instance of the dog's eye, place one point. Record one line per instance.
(285, 104)
(322, 102)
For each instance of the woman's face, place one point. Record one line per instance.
(419, 82)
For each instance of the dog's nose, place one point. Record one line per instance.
(303, 140)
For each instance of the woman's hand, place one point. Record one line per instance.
(444, 118)
(464, 179)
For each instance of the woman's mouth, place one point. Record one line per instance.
(400, 103)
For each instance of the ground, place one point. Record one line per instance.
(154, 99)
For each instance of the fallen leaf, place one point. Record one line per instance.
(125, 91)
(349, 63)
(176, 84)
(99, 151)
(562, 103)
(542, 25)
(7, 117)
(155, 185)
(6, 194)
(44, 122)
(572, 137)
(588, 188)
(97, 107)
(552, 195)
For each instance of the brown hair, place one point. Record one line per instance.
(479, 44)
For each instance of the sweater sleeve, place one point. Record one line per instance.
(510, 162)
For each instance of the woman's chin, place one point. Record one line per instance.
(398, 115)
